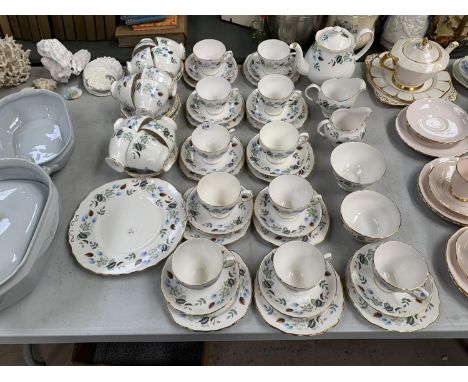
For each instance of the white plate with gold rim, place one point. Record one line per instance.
(456, 273)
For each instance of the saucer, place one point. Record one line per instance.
(431, 201)
(302, 326)
(171, 110)
(437, 150)
(230, 117)
(257, 159)
(226, 316)
(230, 162)
(113, 230)
(199, 301)
(253, 72)
(396, 324)
(440, 186)
(228, 70)
(457, 74)
(302, 224)
(395, 304)
(295, 113)
(302, 304)
(201, 219)
(315, 237)
(440, 86)
(194, 176)
(455, 271)
(228, 238)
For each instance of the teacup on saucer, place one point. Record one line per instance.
(211, 141)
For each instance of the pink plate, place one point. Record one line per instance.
(462, 252)
(457, 275)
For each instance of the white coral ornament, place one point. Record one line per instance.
(14, 63)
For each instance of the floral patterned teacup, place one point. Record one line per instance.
(149, 97)
(214, 93)
(210, 54)
(140, 60)
(274, 57)
(276, 91)
(197, 263)
(177, 48)
(337, 93)
(219, 192)
(291, 194)
(166, 59)
(160, 76)
(118, 146)
(133, 122)
(146, 153)
(122, 90)
(164, 129)
(279, 139)
(211, 141)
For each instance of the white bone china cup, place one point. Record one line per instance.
(118, 147)
(150, 97)
(211, 141)
(214, 93)
(276, 91)
(210, 54)
(146, 153)
(274, 56)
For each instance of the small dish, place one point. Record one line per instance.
(201, 219)
(199, 301)
(225, 239)
(99, 74)
(228, 70)
(459, 278)
(357, 165)
(253, 73)
(461, 249)
(225, 317)
(437, 120)
(369, 216)
(304, 223)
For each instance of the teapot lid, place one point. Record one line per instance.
(422, 51)
(334, 38)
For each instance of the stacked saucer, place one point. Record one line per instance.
(443, 188)
(218, 209)
(206, 286)
(279, 149)
(460, 71)
(298, 291)
(215, 101)
(391, 287)
(210, 58)
(457, 259)
(211, 148)
(289, 209)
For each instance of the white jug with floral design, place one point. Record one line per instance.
(331, 55)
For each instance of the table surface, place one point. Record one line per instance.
(71, 304)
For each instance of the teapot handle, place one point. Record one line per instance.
(366, 47)
(384, 58)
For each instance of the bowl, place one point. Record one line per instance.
(36, 126)
(357, 165)
(369, 216)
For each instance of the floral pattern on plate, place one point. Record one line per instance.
(228, 70)
(396, 324)
(302, 326)
(397, 304)
(199, 301)
(226, 316)
(202, 220)
(253, 73)
(295, 304)
(304, 223)
(228, 238)
(91, 253)
(295, 112)
(315, 237)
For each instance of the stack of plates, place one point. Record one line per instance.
(457, 259)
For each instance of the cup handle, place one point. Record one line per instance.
(327, 256)
(320, 127)
(366, 47)
(303, 138)
(118, 123)
(234, 94)
(384, 58)
(245, 195)
(295, 96)
(317, 199)
(416, 293)
(312, 86)
(231, 131)
(229, 259)
(227, 56)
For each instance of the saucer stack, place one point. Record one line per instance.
(460, 71)
(280, 218)
(457, 259)
(297, 291)
(371, 283)
(200, 305)
(434, 127)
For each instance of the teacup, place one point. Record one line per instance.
(219, 192)
(198, 263)
(133, 122)
(118, 147)
(211, 141)
(150, 97)
(140, 60)
(291, 194)
(142, 44)
(146, 153)
(274, 56)
(176, 47)
(163, 129)
(459, 180)
(214, 93)
(461, 251)
(299, 265)
(156, 74)
(210, 54)
(122, 90)
(166, 59)
(279, 140)
(275, 92)
(399, 267)
(337, 93)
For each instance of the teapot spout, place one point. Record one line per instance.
(301, 63)
(451, 46)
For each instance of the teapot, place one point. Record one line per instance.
(331, 55)
(415, 60)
